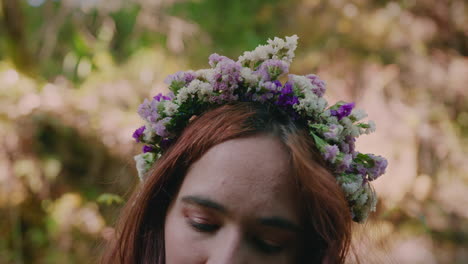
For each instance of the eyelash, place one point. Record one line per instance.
(260, 244)
(266, 247)
(203, 228)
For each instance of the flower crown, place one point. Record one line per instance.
(254, 77)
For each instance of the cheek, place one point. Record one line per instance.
(180, 243)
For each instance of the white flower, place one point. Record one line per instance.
(249, 77)
(349, 127)
(362, 199)
(272, 51)
(322, 104)
(289, 45)
(371, 127)
(351, 186)
(205, 90)
(205, 74)
(301, 82)
(188, 91)
(311, 104)
(358, 114)
(170, 108)
(149, 133)
(144, 162)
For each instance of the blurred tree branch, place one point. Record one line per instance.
(52, 26)
(14, 24)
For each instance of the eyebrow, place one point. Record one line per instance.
(205, 202)
(279, 222)
(275, 221)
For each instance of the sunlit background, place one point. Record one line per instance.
(73, 72)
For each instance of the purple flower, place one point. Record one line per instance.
(272, 86)
(277, 83)
(215, 58)
(288, 88)
(330, 153)
(178, 80)
(148, 110)
(160, 127)
(361, 170)
(343, 111)
(226, 80)
(345, 163)
(162, 97)
(227, 75)
(348, 145)
(180, 76)
(287, 97)
(147, 148)
(138, 133)
(272, 69)
(165, 143)
(380, 164)
(319, 85)
(333, 132)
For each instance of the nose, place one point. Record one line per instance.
(229, 248)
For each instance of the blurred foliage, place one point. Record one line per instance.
(72, 74)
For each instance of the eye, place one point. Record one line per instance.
(202, 225)
(267, 246)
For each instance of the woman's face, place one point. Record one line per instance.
(237, 204)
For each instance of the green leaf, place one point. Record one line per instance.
(365, 160)
(176, 86)
(109, 199)
(318, 141)
(319, 127)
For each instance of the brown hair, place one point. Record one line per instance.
(140, 231)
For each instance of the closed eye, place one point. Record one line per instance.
(265, 246)
(203, 227)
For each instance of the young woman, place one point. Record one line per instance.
(239, 168)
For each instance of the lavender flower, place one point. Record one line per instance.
(180, 76)
(318, 84)
(226, 80)
(160, 97)
(333, 132)
(138, 133)
(160, 127)
(274, 86)
(271, 69)
(345, 163)
(148, 110)
(342, 111)
(179, 80)
(215, 58)
(348, 145)
(227, 75)
(380, 164)
(330, 153)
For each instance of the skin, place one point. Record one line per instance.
(237, 204)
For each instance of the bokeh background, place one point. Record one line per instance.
(73, 72)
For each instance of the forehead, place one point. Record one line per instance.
(246, 175)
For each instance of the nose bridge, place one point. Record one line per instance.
(229, 248)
